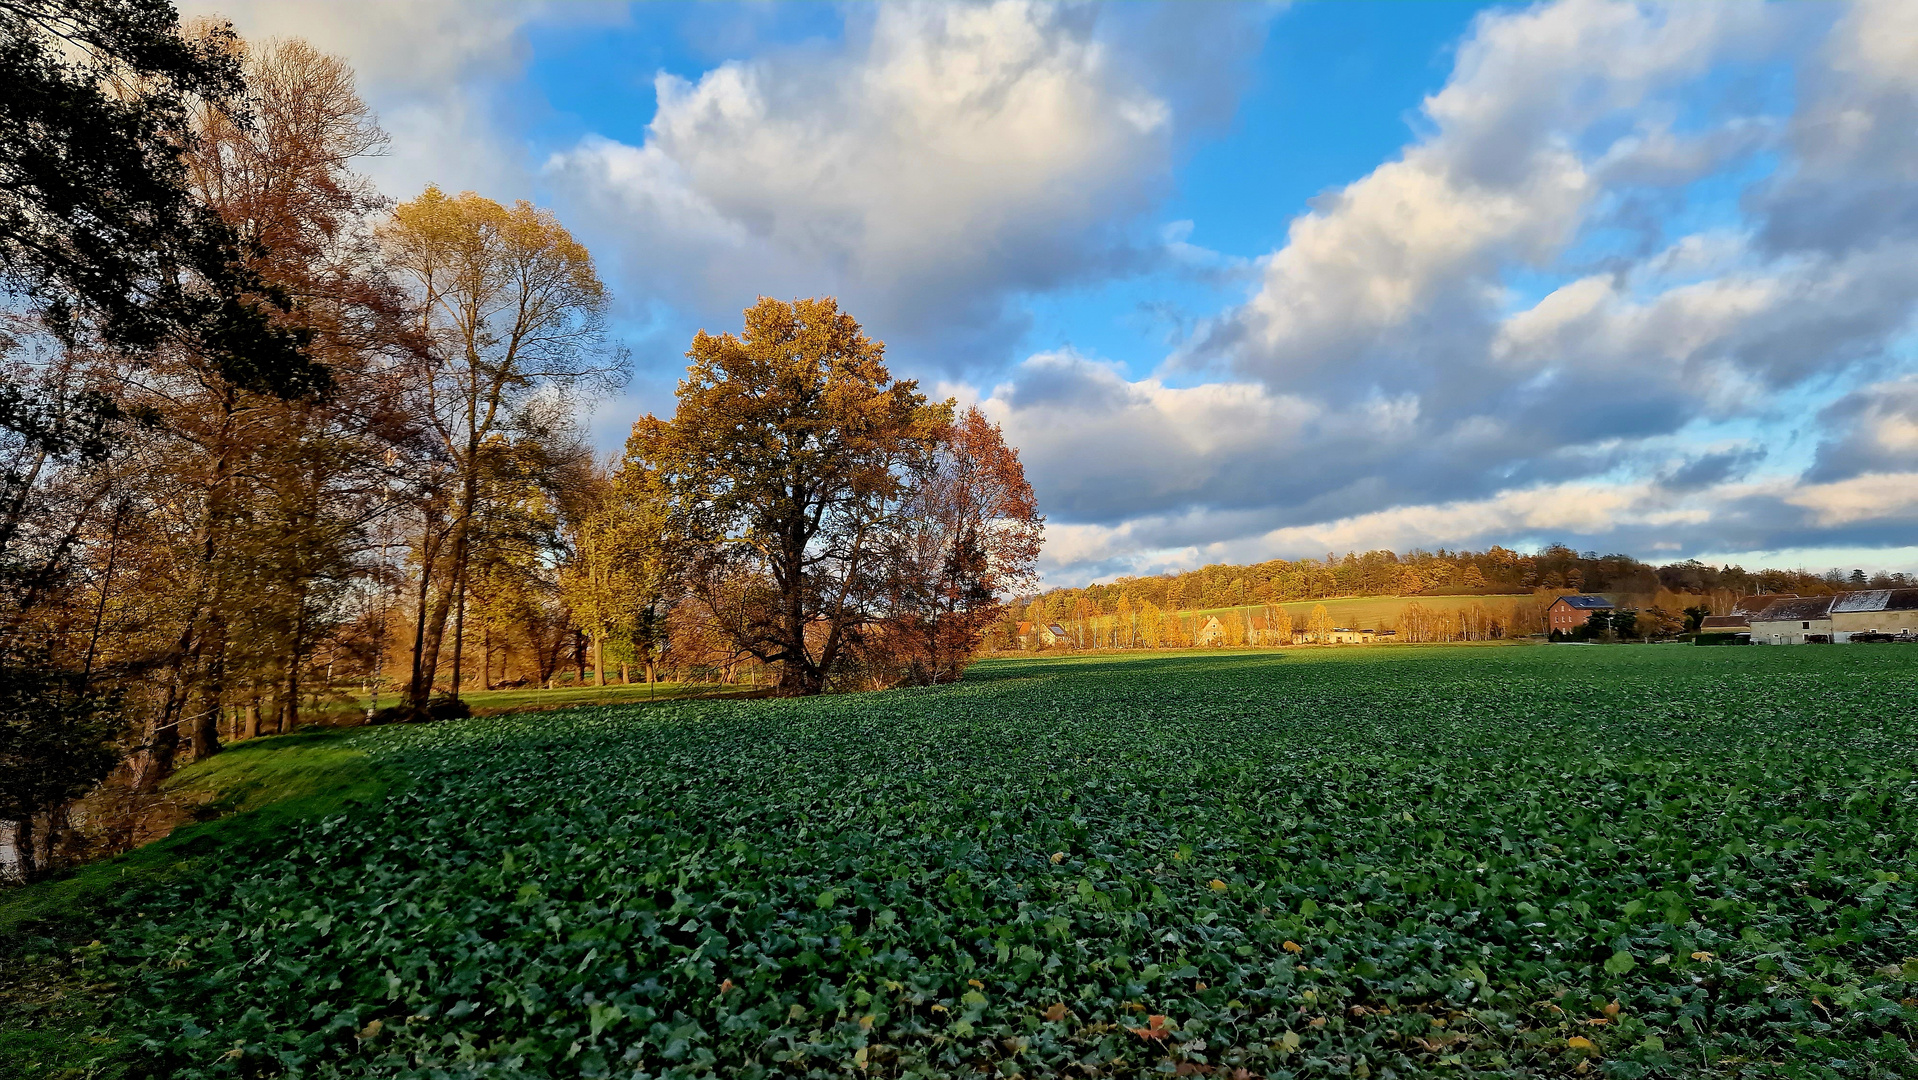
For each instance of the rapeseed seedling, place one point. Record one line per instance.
(1407, 862)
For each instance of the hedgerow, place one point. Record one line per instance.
(1396, 863)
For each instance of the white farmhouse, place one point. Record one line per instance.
(1794, 621)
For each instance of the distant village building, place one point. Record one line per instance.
(1738, 619)
(1874, 611)
(1568, 613)
(1047, 634)
(1793, 621)
(1212, 633)
(1338, 635)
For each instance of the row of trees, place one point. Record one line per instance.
(1147, 626)
(1497, 570)
(268, 435)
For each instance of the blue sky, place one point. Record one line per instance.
(1257, 281)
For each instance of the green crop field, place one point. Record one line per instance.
(1420, 861)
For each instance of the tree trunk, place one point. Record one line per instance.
(252, 721)
(425, 667)
(459, 628)
(486, 656)
(23, 842)
(292, 696)
(455, 571)
(161, 741)
(56, 828)
(599, 659)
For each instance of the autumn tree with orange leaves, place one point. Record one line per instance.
(831, 521)
(970, 533)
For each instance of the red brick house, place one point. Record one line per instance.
(1568, 613)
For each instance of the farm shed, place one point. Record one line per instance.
(1568, 613)
(1880, 611)
(1794, 621)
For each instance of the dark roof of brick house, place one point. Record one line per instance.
(1722, 623)
(1584, 602)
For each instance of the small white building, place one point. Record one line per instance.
(1793, 622)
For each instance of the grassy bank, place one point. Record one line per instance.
(348, 709)
(55, 994)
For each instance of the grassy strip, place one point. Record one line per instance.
(522, 699)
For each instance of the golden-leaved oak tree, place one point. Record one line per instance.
(789, 462)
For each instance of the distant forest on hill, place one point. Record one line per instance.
(1494, 571)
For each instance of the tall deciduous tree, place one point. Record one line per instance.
(514, 308)
(276, 489)
(617, 585)
(1318, 625)
(970, 533)
(789, 461)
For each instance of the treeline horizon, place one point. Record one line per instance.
(1496, 571)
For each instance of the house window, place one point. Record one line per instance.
(1807, 626)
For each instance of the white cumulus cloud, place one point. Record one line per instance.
(939, 162)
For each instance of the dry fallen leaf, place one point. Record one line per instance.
(1701, 956)
(1155, 1028)
(1056, 1012)
(1217, 885)
(1580, 1042)
(1058, 857)
(1293, 947)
